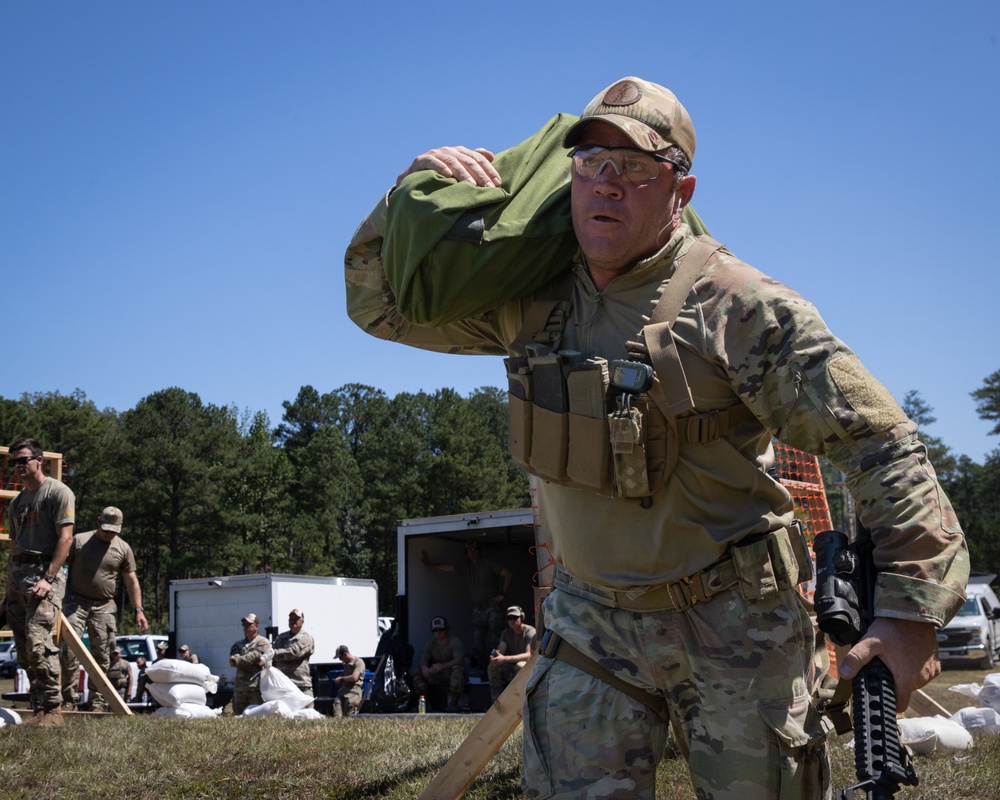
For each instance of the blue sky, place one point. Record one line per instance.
(178, 180)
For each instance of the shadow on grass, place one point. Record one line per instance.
(501, 784)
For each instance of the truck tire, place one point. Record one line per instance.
(989, 660)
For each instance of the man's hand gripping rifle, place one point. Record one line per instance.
(844, 601)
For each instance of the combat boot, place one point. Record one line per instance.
(34, 719)
(51, 718)
(452, 703)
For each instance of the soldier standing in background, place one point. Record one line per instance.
(247, 655)
(292, 650)
(350, 685)
(95, 561)
(41, 526)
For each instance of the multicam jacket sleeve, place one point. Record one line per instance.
(813, 393)
(370, 302)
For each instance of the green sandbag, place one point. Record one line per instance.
(453, 250)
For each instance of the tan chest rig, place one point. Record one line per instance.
(569, 421)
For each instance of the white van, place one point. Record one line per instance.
(974, 633)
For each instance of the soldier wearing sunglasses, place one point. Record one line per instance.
(677, 553)
(41, 524)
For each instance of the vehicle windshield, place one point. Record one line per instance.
(970, 609)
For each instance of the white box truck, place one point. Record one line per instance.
(507, 537)
(205, 614)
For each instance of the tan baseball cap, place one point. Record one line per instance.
(649, 114)
(250, 619)
(111, 520)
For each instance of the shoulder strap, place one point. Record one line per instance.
(546, 316)
(671, 391)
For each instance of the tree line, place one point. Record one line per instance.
(211, 490)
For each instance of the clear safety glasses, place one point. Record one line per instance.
(632, 164)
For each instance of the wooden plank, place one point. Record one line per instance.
(482, 743)
(924, 705)
(94, 672)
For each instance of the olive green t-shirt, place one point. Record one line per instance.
(94, 565)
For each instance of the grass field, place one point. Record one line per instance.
(366, 757)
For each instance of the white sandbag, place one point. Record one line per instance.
(978, 720)
(934, 735)
(187, 711)
(272, 708)
(276, 685)
(972, 690)
(8, 716)
(989, 697)
(307, 713)
(177, 670)
(172, 695)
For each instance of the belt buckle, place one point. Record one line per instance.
(687, 591)
(550, 644)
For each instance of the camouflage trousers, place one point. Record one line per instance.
(32, 620)
(453, 678)
(487, 625)
(347, 704)
(246, 696)
(737, 677)
(97, 617)
(500, 675)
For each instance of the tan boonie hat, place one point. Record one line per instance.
(111, 520)
(250, 619)
(649, 114)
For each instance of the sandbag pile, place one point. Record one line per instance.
(181, 688)
(984, 717)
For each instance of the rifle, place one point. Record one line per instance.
(844, 602)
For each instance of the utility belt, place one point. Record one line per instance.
(87, 602)
(31, 558)
(759, 565)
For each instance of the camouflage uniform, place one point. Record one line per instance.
(245, 656)
(483, 581)
(502, 674)
(291, 656)
(742, 338)
(118, 675)
(34, 518)
(453, 678)
(349, 695)
(94, 566)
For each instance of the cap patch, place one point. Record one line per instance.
(623, 93)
